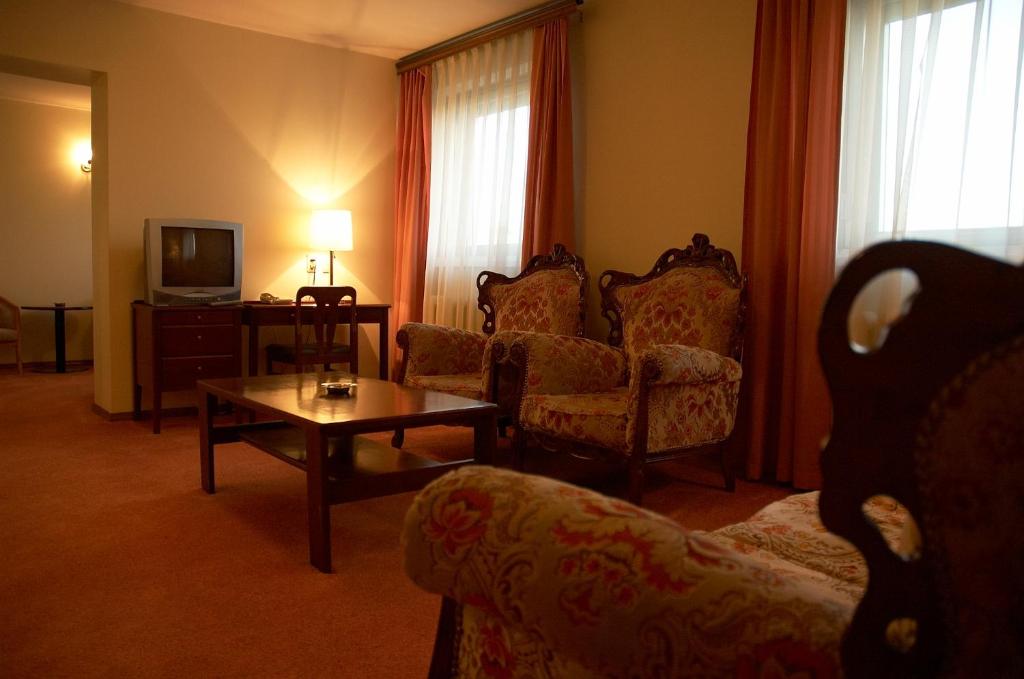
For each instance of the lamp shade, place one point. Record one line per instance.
(331, 230)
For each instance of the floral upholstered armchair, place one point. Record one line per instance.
(668, 384)
(548, 296)
(922, 575)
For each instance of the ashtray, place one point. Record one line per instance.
(339, 388)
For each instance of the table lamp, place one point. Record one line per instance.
(331, 230)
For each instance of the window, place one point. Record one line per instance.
(479, 134)
(933, 125)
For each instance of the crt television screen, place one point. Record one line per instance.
(197, 257)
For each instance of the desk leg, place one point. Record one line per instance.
(485, 439)
(254, 348)
(318, 499)
(385, 355)
(59, 340)
(207, 406)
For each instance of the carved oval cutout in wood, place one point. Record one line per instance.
(879, 305)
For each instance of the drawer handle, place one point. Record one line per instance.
(199, 317)
(199, 368)
(199, 337)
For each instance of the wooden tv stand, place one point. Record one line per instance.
(173, 346)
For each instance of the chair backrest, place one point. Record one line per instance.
(548, 296)
(325, 321)
(10, 315)
(694, 296)
(933, 418)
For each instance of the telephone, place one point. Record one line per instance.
(267, 298)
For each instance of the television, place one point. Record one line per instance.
(192, 261)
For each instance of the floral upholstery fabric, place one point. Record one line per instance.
(467, 384)
(685, 415)
(695, 306)
(546, 301)
(437, 350)
(557, 581)
(570, 365)
(598, 419)
(680, 364)
(791, 530)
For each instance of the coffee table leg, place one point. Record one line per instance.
(59, 340)
(485, 439)
(207, 406)
(319, 500)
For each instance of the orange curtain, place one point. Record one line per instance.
(789, 227)
(412, 198)
(548, 216)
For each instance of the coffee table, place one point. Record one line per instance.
(318, 433)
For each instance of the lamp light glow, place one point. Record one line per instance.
(82, 155)
(331, 230)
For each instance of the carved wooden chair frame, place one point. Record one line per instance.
(699, 254)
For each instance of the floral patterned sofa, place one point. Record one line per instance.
(548, 296)
(551, 580)
(919, 573)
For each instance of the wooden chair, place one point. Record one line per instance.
(665, 385)
(10, 328)
(933, 418)
(323, 350)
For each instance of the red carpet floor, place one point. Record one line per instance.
(114, 563)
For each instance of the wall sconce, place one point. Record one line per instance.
(83, 155)
(331, 230)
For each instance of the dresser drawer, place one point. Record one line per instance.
(200, 340)
(182, 373)
(196, 317)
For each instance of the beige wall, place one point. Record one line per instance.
(46, 255)
(663, 102)
(201, 120)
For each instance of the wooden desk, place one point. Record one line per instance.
(258, 314)
(317, 434)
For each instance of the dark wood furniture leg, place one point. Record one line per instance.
(317, 495)
(485, 439)
(442, 663)
(382, 334)
(207, 406)
(59, 340)
(158, 402)
(398, 438)
(254, 348)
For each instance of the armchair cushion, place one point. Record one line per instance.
(438, 350)
(556, 364)
(545, 301)
(597, 584)
(597, 418)
(466, 384)
(792, 530)
(695, 306)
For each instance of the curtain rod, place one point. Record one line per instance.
(534, 16)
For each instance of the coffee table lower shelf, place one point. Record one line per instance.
(361, 470)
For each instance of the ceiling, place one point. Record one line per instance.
(48, 92)
(386, 28)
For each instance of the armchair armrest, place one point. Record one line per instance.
(681, 364)
(620, 590)
(557, 364)
(438, 350)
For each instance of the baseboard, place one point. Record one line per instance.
(109, 416)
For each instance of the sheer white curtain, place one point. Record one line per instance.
(933, 125)
(479, 131)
